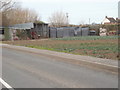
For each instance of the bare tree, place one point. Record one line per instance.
(17, 15)
(58, 19)
(5, 5)
(21, 15)
(12, 13)
(30, 15)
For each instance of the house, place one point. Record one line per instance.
(109, 20)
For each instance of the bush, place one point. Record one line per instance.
(110, 27)
(7, 34)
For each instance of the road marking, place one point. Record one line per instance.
(5, 84)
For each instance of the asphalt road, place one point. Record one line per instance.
(27, 70)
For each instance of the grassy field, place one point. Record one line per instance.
(101, 47)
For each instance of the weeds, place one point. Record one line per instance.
(101, 47)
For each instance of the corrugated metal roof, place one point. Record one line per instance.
(23, 26)
(1, 27)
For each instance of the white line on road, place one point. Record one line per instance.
(5, 84)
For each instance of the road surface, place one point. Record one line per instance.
(28, 70)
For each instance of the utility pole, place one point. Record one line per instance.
(67, 18)
(118, 19)
(89, 21)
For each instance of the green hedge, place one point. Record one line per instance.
(7, 34)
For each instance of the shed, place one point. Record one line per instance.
(32, 30)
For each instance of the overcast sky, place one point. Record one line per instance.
(79, 10)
